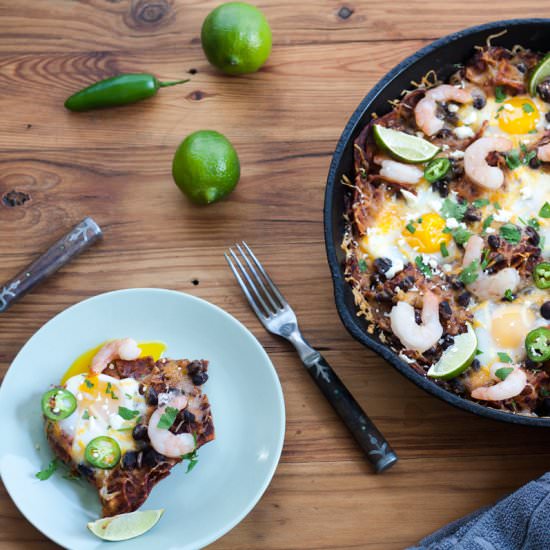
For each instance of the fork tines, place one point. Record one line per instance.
(261, 292)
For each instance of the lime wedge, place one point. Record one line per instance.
(540, 72)
(404, 146)
(125, 526)
(456, 359)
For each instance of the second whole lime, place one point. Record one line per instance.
(206, 167)
(236, 38)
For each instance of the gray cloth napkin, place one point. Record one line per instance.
(520, 521)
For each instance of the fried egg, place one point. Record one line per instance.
(100, 400)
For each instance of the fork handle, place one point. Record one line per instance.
(374, 445)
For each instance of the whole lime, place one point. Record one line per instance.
(236, 38)
(206, 167)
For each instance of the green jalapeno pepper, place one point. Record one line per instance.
(103, 452)
(541, 275)
(436, 169)
(537, 344)
(118, 90)
(58, 404)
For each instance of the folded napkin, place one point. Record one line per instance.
(520, 521)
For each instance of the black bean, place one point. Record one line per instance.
(448, 341)
(457, 385)
(531, 364)
(464, 299)
(200, 378)
(152, 458)
(193, 367)
(493, 241)
(522, 68)
(457, 284)
(441, 187)
(139, 433)
(479, 102)
(188, 416)
(445, 310)
(532, 235)
(85, 470)
(544, 90)
(475, 365)
(545, 310)
(534, 163)
(152, 397)
(129, 460)
(444, 133)
(457, 167)
(383, 296)
(407, 283)
(417, 317)
(472, 215)
(382, 264)
(141, 389)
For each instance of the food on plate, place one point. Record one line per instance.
(117, 90)
(125, 526)
(447, 229)
(206, 167)
(126, 421)
(236, 38)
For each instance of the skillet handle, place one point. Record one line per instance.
(78, 239)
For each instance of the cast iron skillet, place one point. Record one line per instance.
(441, 55)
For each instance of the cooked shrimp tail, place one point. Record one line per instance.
(510, 387)
(543, 153)
(125, 348)
(410, 334)
(475, 162)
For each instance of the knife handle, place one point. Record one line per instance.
(78, 239)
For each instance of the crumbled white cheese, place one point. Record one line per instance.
(116, 421)
(444, 147)
(452, 108)
(420, 134)
(456, 154)
(401, 242)
(490, 230)
(409, 197)
(526, 192)
(435, 205)
(469, 119)
(447, 268)
(503, 216)
(463, 132)
(396, 266)
(508, 107)
(79, 396)
(452, 223)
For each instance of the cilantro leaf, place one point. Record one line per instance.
(453, 209)
(488, 221)
(470, 273)
(127, 414)
(461, 235)
(510, 232)
(193, 457)
(362, 264)
(504, 357)
(503, 372)
(545, 210)
(86, 415)
(410, 227)
(533, 222)
(527, 108)
(48, 472)
(443, 248)
(89, 384)
(168, 418)
(479, 203)
(425, 269)
(500, 94)
(509, 295)
(512, 159)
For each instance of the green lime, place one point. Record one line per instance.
(236, 38)
(206, 167)
(540, 73)
(125, 526)
(404, 146)
(456, 359)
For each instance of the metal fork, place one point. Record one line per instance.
(278, 318)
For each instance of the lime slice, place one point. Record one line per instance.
(456, 359)
(540, 72)
(125, 526)
(404, 146)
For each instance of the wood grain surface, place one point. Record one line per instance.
(284, 121)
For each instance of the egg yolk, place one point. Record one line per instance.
(509, 327)
(428, 233)
(518, 115)
(387, 220)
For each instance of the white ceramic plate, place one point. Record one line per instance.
(233, 471)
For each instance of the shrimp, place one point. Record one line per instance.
(125, 348)
(425, 112)
(399, 172)
(475, 164)
(543, 153)
(486, 286)
(511, 386)
(163, 440)
(413, 336)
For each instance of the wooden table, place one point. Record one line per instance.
(284, 122)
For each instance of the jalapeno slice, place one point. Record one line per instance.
(103, 452)
(537, 344)
(436, 169)
(541, 275)
(58, 404)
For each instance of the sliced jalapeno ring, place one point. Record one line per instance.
(436, 169)
(537, 344)
(58, 404)
(541, 275)
(103, 452)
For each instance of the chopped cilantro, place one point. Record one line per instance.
(127, 414)
(510, 232)
(410, 228)
(443, 248)
(479, 203)
(109, 391)
(512, 159)
(86, 415)
(48, 472)
(509, 295)
(425, 269)
(544, 392)
(485, 259)
(504, 357)
(533, 222)
(470, 273)
(545, 210)
(527, 108)
(168, 418)
(488, 221)
(89, 384)
(497, 206)
(503, 372)
(461, 235)
(453, 209)
(479, 352)
(528, 157)
(362, 265)
(500, 94)
(193, 457)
